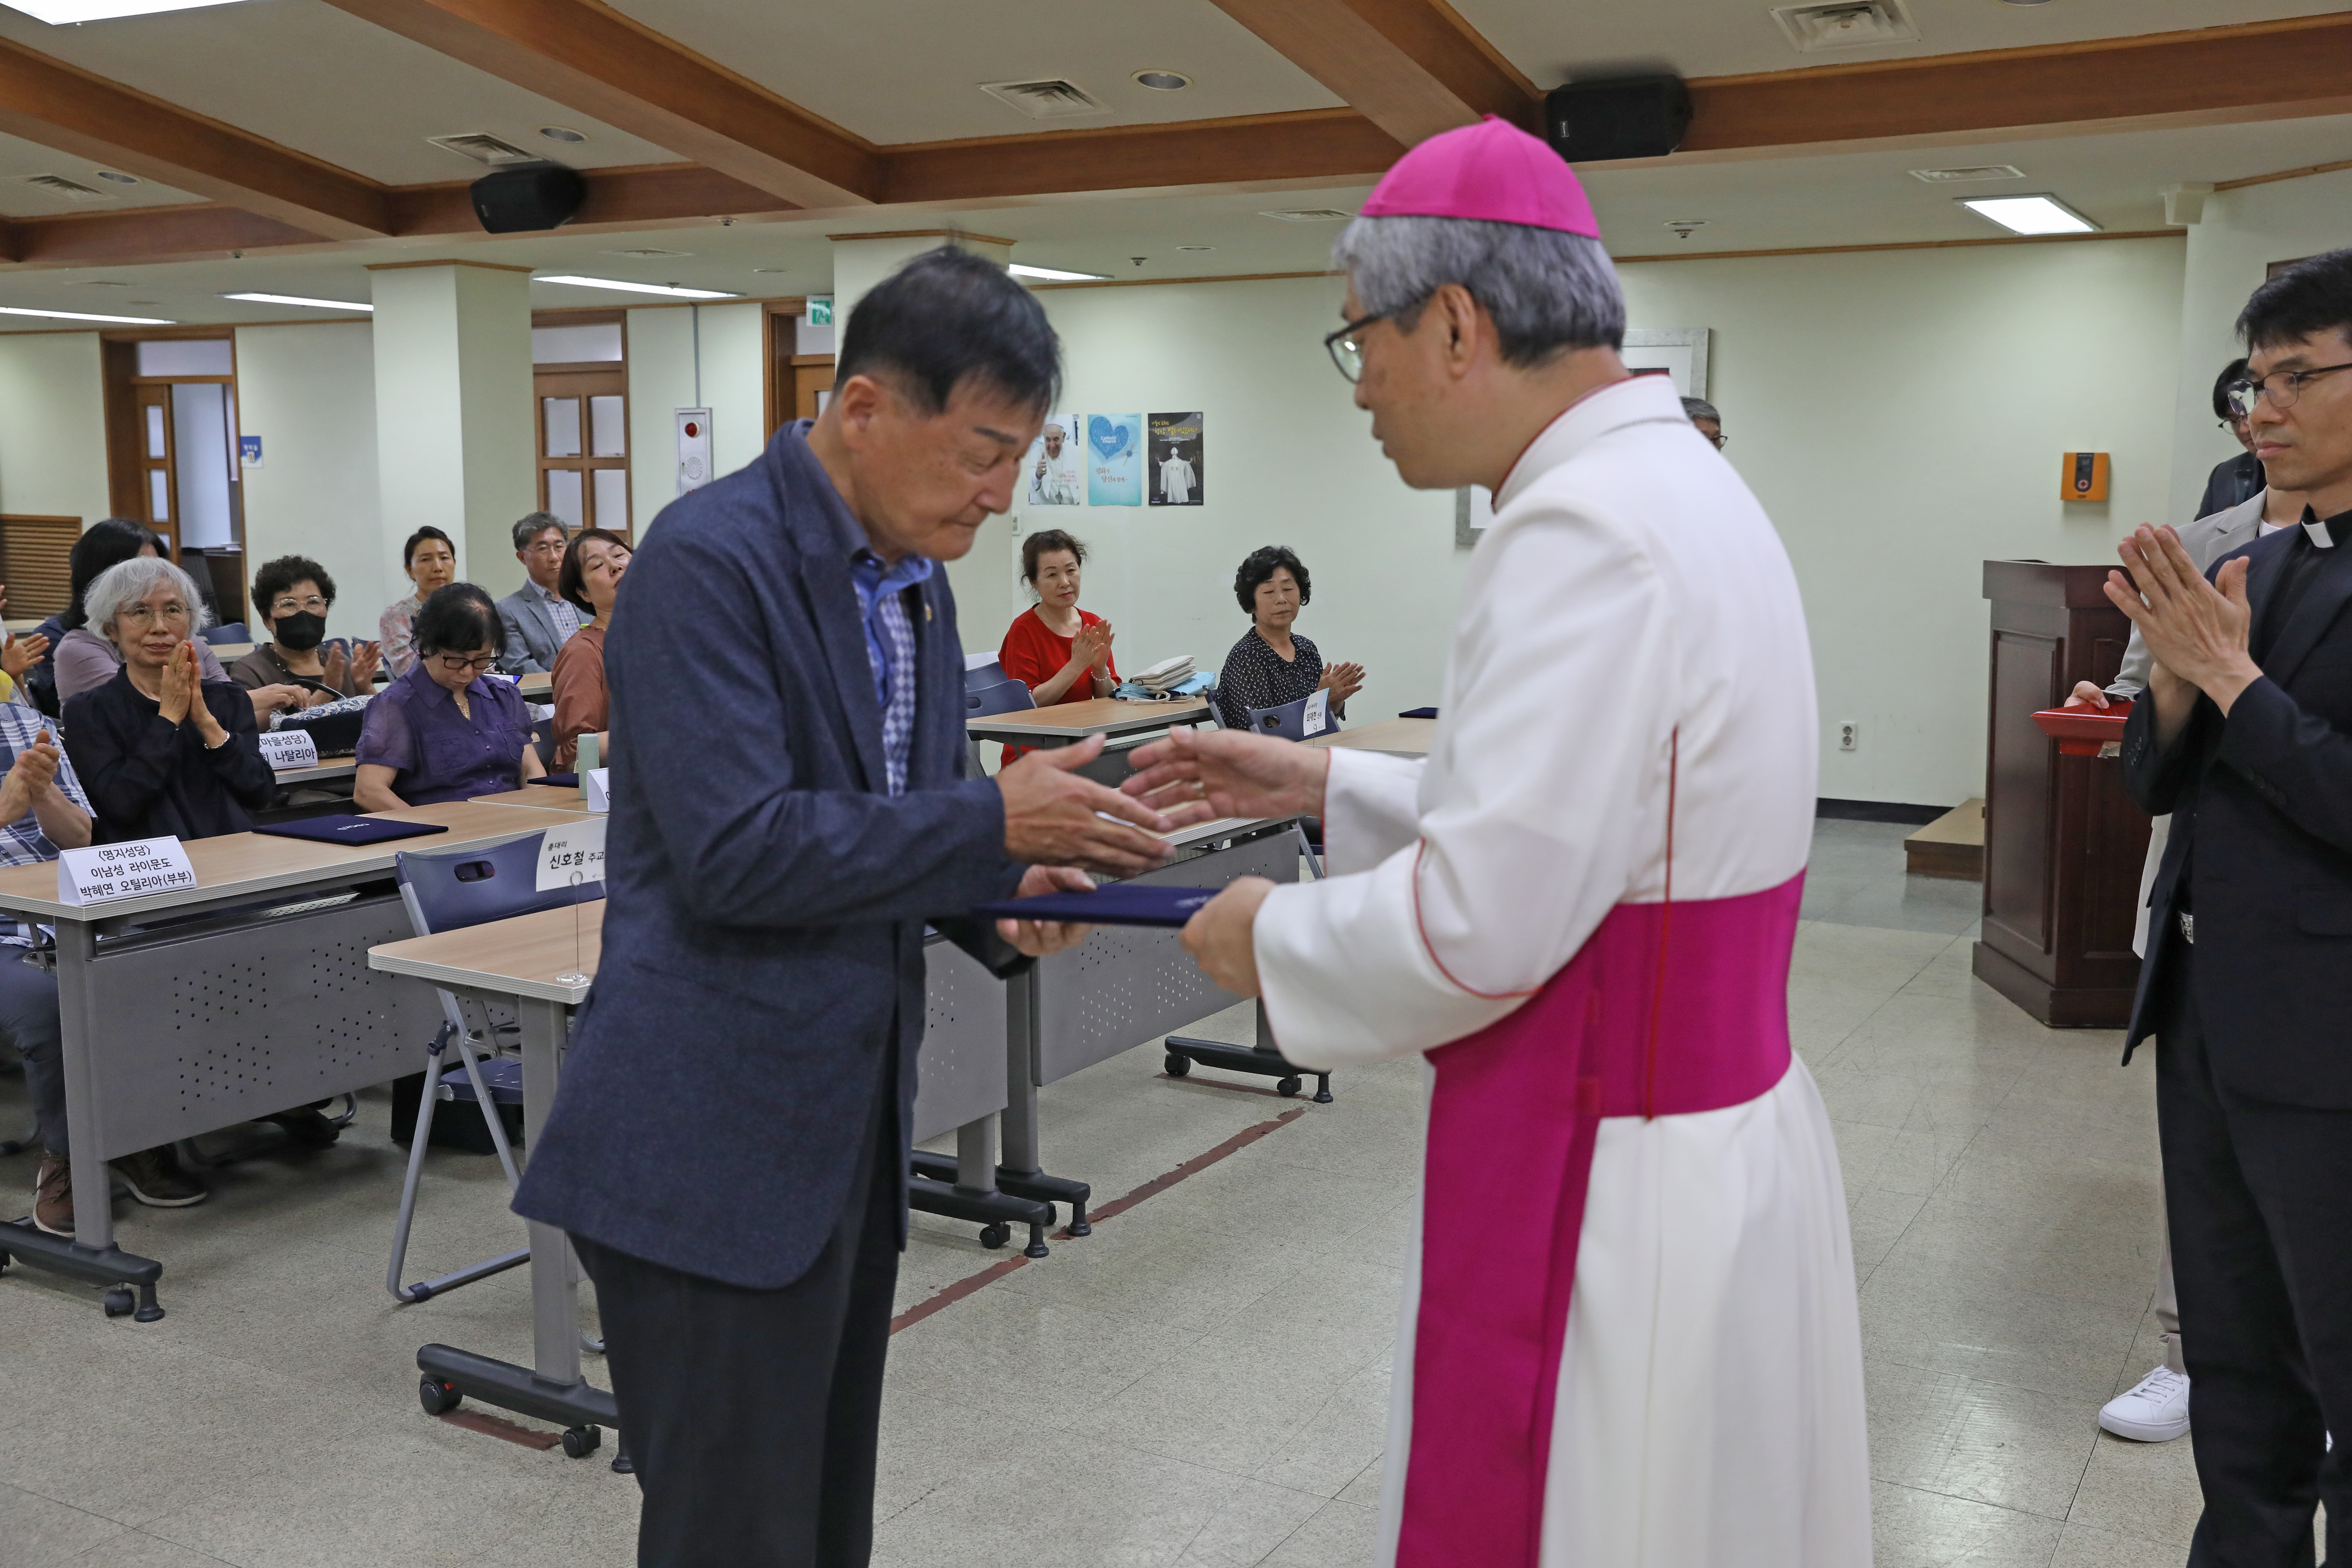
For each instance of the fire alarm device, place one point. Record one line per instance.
(2084, 476)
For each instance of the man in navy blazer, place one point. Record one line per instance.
(729, 1147)
(2246, 739)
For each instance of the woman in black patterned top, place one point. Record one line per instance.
(1270, 665)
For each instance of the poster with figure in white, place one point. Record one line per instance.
(1114, 459)
(1057, 472)
(1176, 472)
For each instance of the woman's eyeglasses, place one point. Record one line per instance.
(459, 664)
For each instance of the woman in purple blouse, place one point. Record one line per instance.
(448, 729)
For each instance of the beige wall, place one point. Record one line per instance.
(662, 381)
(52, 425)
(308, 391)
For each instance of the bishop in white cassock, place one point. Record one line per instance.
(1629, 1337)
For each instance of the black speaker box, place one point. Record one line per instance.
(528, 196)
(1636, 117)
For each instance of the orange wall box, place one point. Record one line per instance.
(2084, 476)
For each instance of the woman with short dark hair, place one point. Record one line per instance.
(590, 581)
(291, 596)
(1060, 652)
(1272, 665)
(449, 729)
(431, 562)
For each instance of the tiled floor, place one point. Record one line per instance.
(1203, 1381)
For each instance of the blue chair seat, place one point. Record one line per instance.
(502, 1075)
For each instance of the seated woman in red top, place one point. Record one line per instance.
(1060, 652)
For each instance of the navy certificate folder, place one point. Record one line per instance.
(560, 781)
(1118, 904)
(350, 829)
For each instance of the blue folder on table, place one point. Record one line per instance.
(1119, 904)
(348, 829)
(560, 781)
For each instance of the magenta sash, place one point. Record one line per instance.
(1623, 1030)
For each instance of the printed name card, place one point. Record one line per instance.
(596, 788)
(283, 748)
(1317, 717)
(105, 872)
(569, 852)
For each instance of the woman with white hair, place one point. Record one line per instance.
(1631, 1338)
(158, 748)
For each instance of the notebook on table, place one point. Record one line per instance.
(560, 781)
(348, 829)
(1119, 904)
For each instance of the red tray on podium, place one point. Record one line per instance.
(2081, 730)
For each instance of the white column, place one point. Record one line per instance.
(455, 417)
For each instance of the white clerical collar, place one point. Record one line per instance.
(1637, 399)
(2321, 530)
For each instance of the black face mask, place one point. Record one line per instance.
(301, 632)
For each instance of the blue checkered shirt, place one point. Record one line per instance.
(22, 842)
(891, 649)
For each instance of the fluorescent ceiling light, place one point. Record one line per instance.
(640, 288)
(86, 316)
(298, 300)
(2031, 214)
(62, 13)
(1054, 275)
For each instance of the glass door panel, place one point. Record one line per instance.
(563, 496)
(607, 428)
(563, 423)
(612, 499)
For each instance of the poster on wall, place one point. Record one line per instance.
(1056, 473)
(1176, 475)
(1115, 460)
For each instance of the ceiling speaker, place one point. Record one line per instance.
(533, 196)
(1636, 117)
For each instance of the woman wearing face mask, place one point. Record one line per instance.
(291, 596)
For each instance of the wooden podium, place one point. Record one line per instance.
(2063, 843)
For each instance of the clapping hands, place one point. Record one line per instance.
(33, 775)
(18, 655)
(1091, 647)
(1342, 681)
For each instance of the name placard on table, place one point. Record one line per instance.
(283, 748)
(104, 872)
(572, 852)
(596, 789)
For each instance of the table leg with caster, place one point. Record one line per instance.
(1262, 1059)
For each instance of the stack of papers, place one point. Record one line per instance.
(1167, 675)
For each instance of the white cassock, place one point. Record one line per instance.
(1176, 482)
(1060, 484)
(1629, 1340)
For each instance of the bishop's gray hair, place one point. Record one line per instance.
(1547, 292)
(126, 583)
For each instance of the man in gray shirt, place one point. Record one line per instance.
(536, 618)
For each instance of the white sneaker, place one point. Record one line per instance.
(2154, 1410)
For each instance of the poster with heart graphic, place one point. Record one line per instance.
(1115, 460)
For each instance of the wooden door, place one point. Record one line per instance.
(583, 420)
(159, 485)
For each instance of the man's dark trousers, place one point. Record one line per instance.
(2259, 1198)
(751, 1415)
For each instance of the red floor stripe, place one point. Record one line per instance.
(497, 1426)
(962, 1288)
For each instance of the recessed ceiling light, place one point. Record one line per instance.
(563, 134)
(118, 178)
(1972, 171)
(1162, 81)
(1054, 275)
(86, 316)
(1196, 247)
(303, 300)
(2029, 215)
(670, 289)
(64, 12)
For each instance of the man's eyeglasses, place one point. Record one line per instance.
(1347, 349)
(544, 547)
(2283, 388)
(314, 605)
(459, 664)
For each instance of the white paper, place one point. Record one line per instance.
(596, 788)
(574, 851)
(283, 748)
(1317, 717)
(104, 872)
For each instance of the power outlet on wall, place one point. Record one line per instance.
(1849, 735)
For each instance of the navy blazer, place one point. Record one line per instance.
(2261, 815)
(763, 927)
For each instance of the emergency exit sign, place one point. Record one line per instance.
(820, 312)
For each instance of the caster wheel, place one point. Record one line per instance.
(1289, 1087)
(439, 1398)
(118, 1302)
(579, 1442)
(1178, 1066)
(994, 1236)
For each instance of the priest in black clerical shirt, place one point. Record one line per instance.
(2246, 740)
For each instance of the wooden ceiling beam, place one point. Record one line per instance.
(59, 106)
(590, 58)
(1318, 144)
(1413, 67)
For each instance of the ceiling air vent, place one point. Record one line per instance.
(484, 148)
(647, 254)
(1310, 215)
(1052, 99)
(1973, 171)
(1845, 24)
(64, 189)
